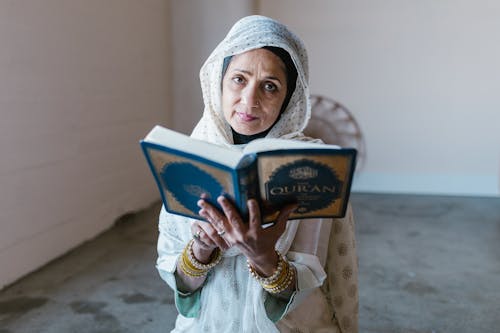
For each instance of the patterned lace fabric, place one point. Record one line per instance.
(334, 306)
(323, 251)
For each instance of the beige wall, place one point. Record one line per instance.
(80, 83)
(197, 27)
(422, 78)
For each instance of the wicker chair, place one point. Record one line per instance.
(334, 124)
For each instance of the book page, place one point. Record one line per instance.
(268, 144)
(170, 139)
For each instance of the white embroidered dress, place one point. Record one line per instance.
(322, 250)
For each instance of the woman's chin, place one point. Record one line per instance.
(244, 130)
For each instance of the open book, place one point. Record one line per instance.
(274, 171)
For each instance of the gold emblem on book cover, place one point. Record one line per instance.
(303, 173)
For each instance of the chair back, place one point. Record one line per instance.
(334, 124)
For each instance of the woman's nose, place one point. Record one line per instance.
(250, 96)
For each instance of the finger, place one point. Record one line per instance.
(196, 231)
(214, 238)
(255, 222)
(218, 226)
(283, 217)
(199, 235)
(232, 214)
(212, 214)
(211, 211)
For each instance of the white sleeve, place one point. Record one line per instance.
(174, 232)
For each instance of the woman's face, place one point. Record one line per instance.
(253, 90)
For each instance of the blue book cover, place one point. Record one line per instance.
(317, 177)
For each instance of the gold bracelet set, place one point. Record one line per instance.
(191, 267)
(281, 278)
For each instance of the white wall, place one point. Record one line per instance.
(421, 76)
(80, 83)
(197, 27)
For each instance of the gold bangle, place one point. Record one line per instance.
(281, 278)
(270, 279)
(284, 283)
(186, 271)
(190, 266)
(197, 264)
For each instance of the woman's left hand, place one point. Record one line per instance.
(255, 242)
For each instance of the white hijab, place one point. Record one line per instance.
(253, 32)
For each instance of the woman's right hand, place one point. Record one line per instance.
(206, 241)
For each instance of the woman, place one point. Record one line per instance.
(232, 275)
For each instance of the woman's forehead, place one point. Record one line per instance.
(262, 58)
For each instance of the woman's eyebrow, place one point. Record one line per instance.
(269, 77)
(242, 71)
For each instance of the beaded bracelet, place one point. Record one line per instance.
(281, 278)
(199, 265)
(283, 283)
(190, 272)
(272, 278)
(190, 266)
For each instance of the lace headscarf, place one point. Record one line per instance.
(249, 33)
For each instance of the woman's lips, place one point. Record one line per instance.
(245, 116)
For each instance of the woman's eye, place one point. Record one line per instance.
(270, 87)
(238, 79)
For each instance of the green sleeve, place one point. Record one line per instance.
(188, 304)
(277, 307)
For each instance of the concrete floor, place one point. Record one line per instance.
(427, 264)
